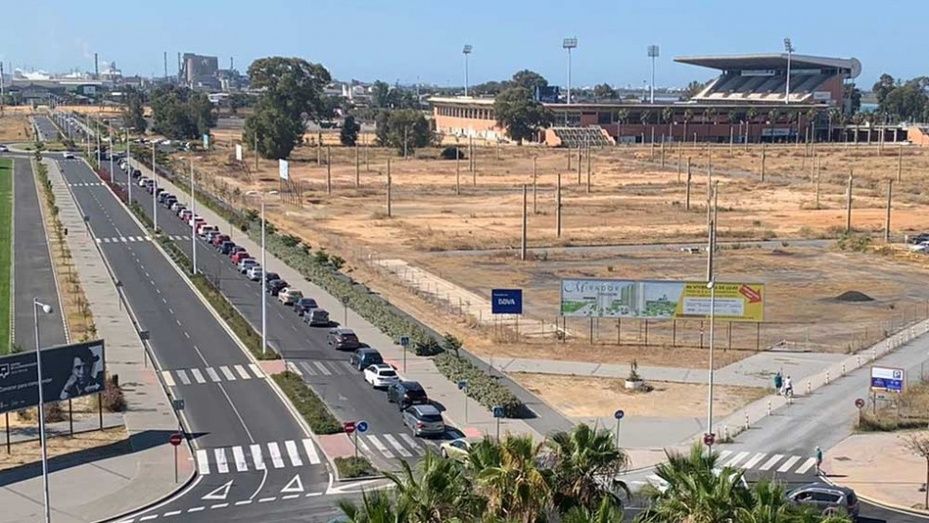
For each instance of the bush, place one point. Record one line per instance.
(112, 397)
(308, 404)
(482, 387)
(54, 412)
(450, 152)
(352, 467)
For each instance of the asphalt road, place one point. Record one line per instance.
(33, 276)
(243, 434)
(47, 130)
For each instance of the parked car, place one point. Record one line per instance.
(272, 276)
(68, 155)
(827, 499)
(245, 264)
(169, 201)
(341, 338)
(136, 173)
(143, 181)
(424, 420)
(209, 235)
(254, 273)
(289, 295)
(4, 148)
(406, 393)
(219, 239)
(457, 449)
(204, 229)
(364, 357)
(184, 214)
(304, 304)
(918, 238)
(380, 375)
(920, 247)
(316, 317)
(235, 250)
(239, 255)
(226, 247)
(177, 206)
(275, 286)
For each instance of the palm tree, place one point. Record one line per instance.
(751, 114)
(586, 461)
(516, 488)
(688, 116)
(606, 512)
(768, 505)
(667, 114)
(621, 116)
(440, 492)
(376, 507)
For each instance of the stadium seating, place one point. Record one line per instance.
(574, 137)
(735, 87)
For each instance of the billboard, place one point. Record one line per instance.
(68, 371)
(283, 169)
(238, 152)
(887, 379)
(658, 299)
(547, 94)
(206, 141)
(506, 301)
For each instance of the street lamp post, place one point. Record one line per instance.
(466, 51)
(154, 191)
(569, 43)
(653, 54)
(264, 279)
(193, 220)
(128, 168)
(788, 46)
(709, 405)
(47, 309)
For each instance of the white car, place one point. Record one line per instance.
(68, 155)
(255, 272)
(381, 375)
(4, 148)
(920, 247)
(247, 263)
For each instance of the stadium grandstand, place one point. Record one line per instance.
(750, 101)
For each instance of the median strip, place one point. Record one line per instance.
(307, 403)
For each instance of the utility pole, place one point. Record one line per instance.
(329, 169)
(710, 231)
(890, 190)
(255, 150)
(535, 192)
(848, 205)
(689, 178)
(193, 214)
(764, 153)
(457, 171)
(357, 168)
(389, 210)
(588, 168)
(522, 250)
(558, 208)
(154, 190)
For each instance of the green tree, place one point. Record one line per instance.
(348, 136)
(907, 102)
(291, 90)
(604, 91)
(134, 112)
(403, 129)
(884, 85)
(586, 461)
(531, 80)
(380, 94)
(375, 507)
(440, 491)
(516, 486)
(692, 89)
(606, 512)
(520, 114)
(180, 113)
(237, 101)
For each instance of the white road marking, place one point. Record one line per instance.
(292, 452)
(227, 373)
(754, 460)
(146, 518)
(257, 457)
(169, 380)
(239, 456)
(412, 443)
(310, 451)
(219, 505)
(275, 452)
(322, 368)
(306, 366)
(197, 376)
(243, 502)
(256, 370)
(807, 465)
(265, 500)
(738, 457)
(211, 372)
(195, 509)
(396, 444)
(221, 466)
(723, 454)
(380, 446)
(203, 463)
(347, 366)
(183, 375)
(171, 513)
(290, 496)
(770, 463)
(241, 370)
(789, 463)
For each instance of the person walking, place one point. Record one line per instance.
(819, 460)
(778, 382)
(788, 387)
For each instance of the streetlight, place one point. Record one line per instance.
(128, 167)
(264, 271)
(466, 51)
(709, 404)
(154, 192)
(569, 43)
(47, 309)
(788, 46)
(193, 220)
(653, 54)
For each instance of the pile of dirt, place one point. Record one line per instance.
(853, 296)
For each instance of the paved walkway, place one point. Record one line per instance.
(90, 490)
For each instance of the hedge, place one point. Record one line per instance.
(483, 387)
(308, 404)
(352, 467)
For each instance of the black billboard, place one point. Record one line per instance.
(68, 371)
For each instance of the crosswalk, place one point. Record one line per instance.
(392, 446)
(86, 184)
(257, 457)
(323, 368)
(765, 462)
(195, 376)
(131, 239)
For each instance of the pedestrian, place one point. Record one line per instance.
(819, 460)
(788, 387)
(778, 382)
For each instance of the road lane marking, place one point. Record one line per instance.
(275, 452)
(146, 518)
(221, 466)
(292, 452)
(227, 373)
(183, 375)
(807, 465)
(197, 376)
(257, 457)
(322, 368)
(241, 370)
(723, 454)
(211, 372)
(396, 444)
(754, 460)
(196, 509)
(310, 451)
(243, 502)
(265, 500)
(171, 513)
(256, 370)
(412, 443)
(789, 463)
(239, 456)
(306, 366)
(290, 496)
(770, 463)
(738, 457)
(203, 462)
(169, 380)
(219, 505)
(380, 446)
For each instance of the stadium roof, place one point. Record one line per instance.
(772, 61)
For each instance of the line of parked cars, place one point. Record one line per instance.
(919, 243)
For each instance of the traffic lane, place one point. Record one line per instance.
(32, 267)
(47, 129)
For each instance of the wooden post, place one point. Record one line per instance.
(319, 150)
(568, 150)
(662, 154)
(389, 210)
(367, 165)
(328, 169)
(588, 168)
(731, 139)
(689, 178)
(535, 187)
(817, 189)
(679, 154)
(471, 154)
(255, 150)
(764, 152)
(457, 171)
(848, 205)
(899, 162)
(522, 249)
(357, 169)
(558, 208)
(579, 164)
(890, 190)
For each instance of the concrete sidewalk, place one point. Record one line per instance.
(84, 491)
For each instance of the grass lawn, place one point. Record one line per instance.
(6, 239)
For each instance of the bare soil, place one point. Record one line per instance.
(83, 442)
(14, 124)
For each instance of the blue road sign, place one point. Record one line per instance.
(498, 411)
(887, 379)
(361, 426)
(619, 414)
(506, 301)
(404, 341)
(462, 384)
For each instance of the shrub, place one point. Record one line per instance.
(352, 467)
(451, 152)
(308, 404)
(54, 412)
(482, 387)
(290, 240)
(112, 397)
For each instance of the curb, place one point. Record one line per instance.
(882, 504)
(48, 247)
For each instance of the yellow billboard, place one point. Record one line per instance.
(733, 301)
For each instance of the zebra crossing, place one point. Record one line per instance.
(197, 376)
(132, 239)
(322, 368)
(765, 462)
(86, 184)
(392, 446)
(257, 457)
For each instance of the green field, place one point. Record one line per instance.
(6, 252)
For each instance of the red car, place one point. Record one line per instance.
(239, 256)
(219, 239)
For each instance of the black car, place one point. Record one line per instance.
(342, 339)
(226, 247)
(136, 173)
(364, 357)
(271, 276)
(304, 304)
(406, 393)
(917, 239)
(275, 286)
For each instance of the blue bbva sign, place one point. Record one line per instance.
(506, 301)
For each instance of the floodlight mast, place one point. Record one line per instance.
(653, 54)
(466, 51)
(569, 43)
(788, 46)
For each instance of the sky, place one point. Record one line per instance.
(410, 41)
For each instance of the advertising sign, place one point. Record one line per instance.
(506, 301)
(68, 371)
(283, 169)
(661, 299)
(238, 152)
(206, 141)
(887, 379)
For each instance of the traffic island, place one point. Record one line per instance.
(355, 468)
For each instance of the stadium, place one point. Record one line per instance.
(756, 98)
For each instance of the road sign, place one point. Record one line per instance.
(68, 371)
(859, 403)
(506, 301)
(362, 426)
(176, 439)
(619, 414)
(178, 403)
(404, 341)
(462, 384)
(498, 411)
(348, 426)
(887, 379)
(709, 438)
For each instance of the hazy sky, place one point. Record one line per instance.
(410, 40)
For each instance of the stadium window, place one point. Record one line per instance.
(604, 117)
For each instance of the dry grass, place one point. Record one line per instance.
(14, 125)
(30, 452)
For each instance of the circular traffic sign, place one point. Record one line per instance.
(619, 414)
(348, 426)
(709, 438)
(176, 439)
(859, 403)
(361, 426)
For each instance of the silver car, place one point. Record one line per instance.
(829, 500)
(424, 420)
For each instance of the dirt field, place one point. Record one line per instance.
(85, 446)
(14, 124)
(601, 395)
